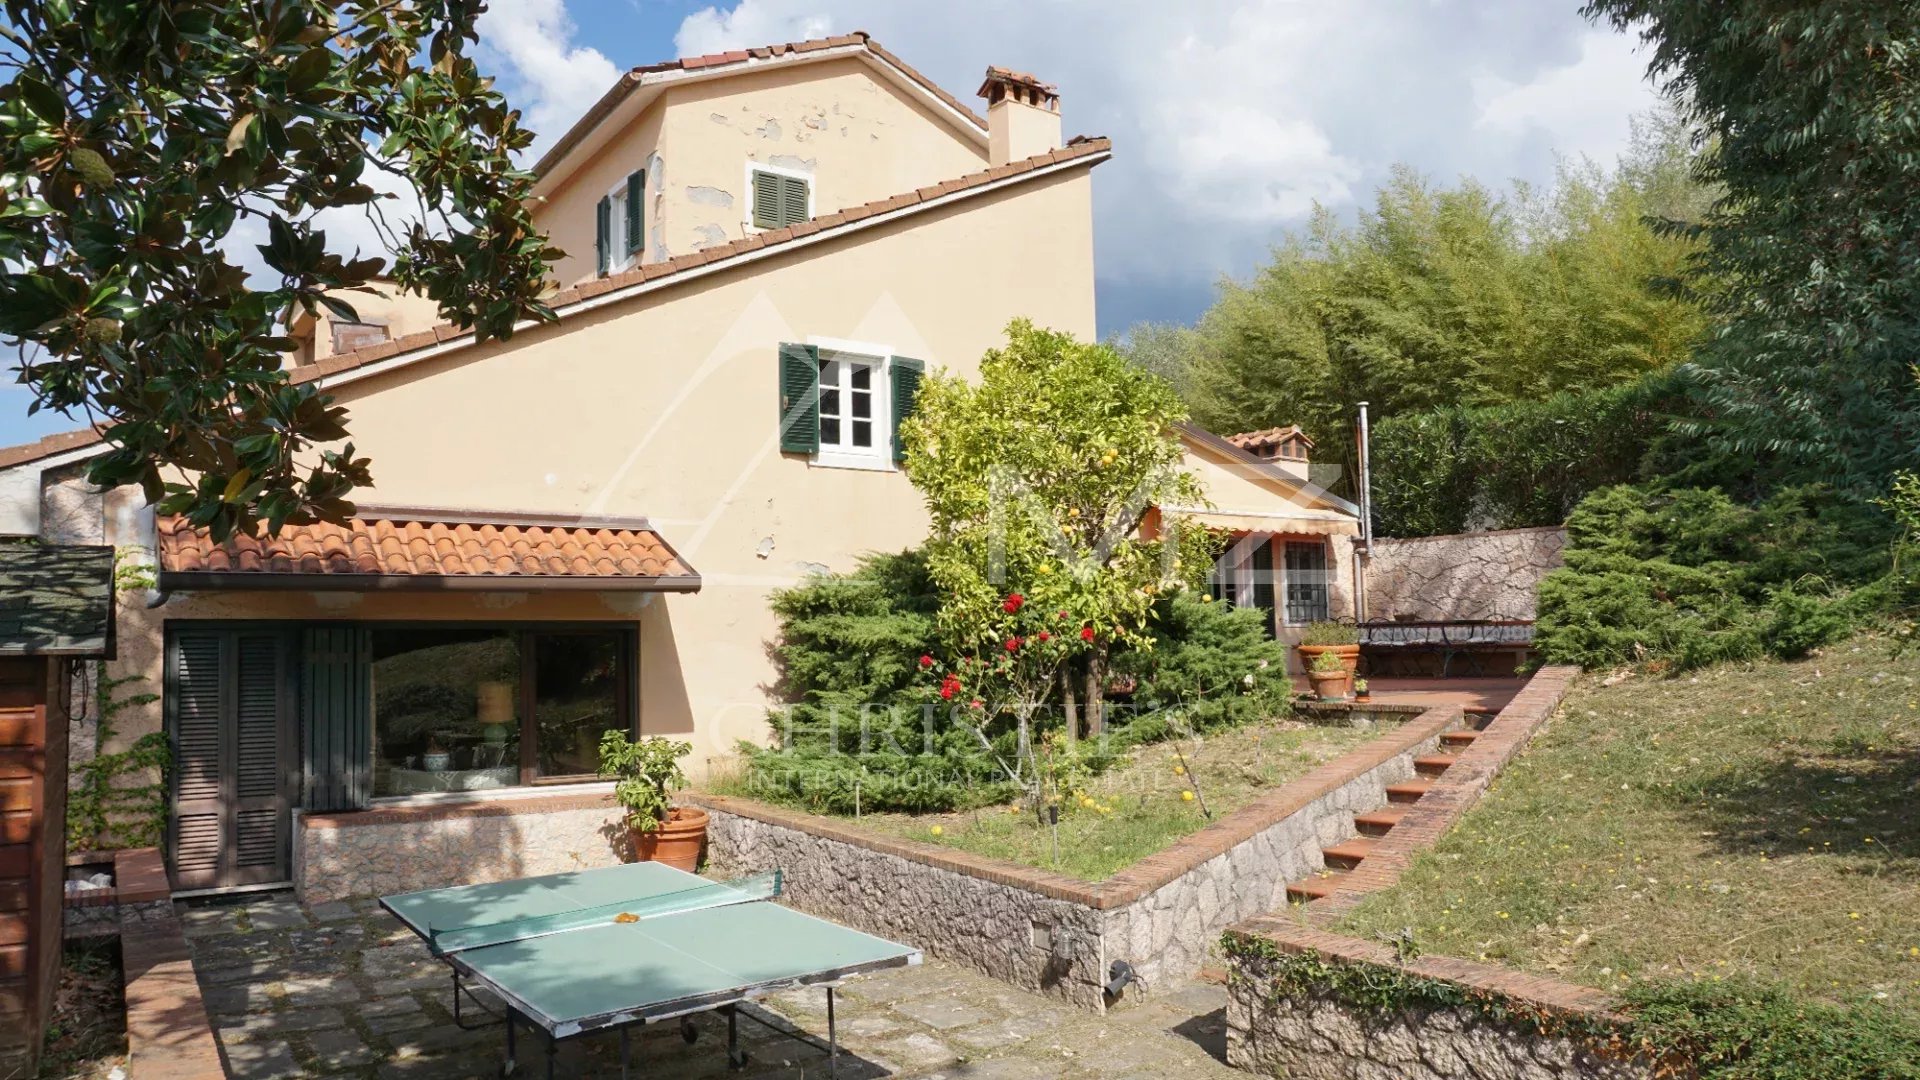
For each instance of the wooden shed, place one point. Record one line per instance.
(56, 610)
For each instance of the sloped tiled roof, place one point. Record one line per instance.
(745, 58)
(1267, 440)
(429, 549)
(55, 600)
(646, 273)
(1079, 148)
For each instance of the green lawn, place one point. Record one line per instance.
(1146, 808)
(1756, 821)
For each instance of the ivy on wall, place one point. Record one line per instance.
(119, 800)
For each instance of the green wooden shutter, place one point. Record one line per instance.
(636, 201)
(906, 391)
(766, 200)
(799, 399)
(793, 200)
(336, 711)
(603, 234)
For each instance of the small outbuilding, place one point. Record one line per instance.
(56, 611)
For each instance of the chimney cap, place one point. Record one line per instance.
(1002, 83)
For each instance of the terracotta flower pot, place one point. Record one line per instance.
(1349, 656)
(677, 843)
(1329, 685)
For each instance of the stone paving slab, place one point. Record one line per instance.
(341, 991)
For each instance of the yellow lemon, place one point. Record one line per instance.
(1179, 770)
(936, 830)
(1043, 568)
(1186, 796)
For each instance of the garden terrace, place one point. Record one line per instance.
(1745, 821)
(1044, 930)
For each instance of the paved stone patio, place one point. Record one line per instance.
(342, 990)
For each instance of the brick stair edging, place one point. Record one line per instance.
(1536, 1036)
(1452, 793)
(169, 1036)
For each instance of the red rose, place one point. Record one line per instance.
(974, 704)
(926, 662)
(1086, 633)
(1013, 644)
(949, 687)
(1013, 603)
(1063, 614)
(1044, 636)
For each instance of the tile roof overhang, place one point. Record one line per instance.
(56, 600)
(1081, 152)
(393, 548)
(1267, 439)
(634, 89)
(1254, 467)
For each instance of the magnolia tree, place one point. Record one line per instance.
(1039, 481)
(141, 140)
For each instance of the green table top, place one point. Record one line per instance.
(657, 967)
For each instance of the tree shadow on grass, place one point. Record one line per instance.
(1851, 803)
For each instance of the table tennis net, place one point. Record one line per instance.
(710, 894)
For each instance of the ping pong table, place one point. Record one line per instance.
(604, 950)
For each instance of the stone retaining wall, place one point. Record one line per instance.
(393, 849)
(1484, 575)
(1534, 1029)
(1059, 935)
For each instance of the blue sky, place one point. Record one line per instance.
(1230, 118)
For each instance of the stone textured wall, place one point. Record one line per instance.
(1058, 935)
(1280, 1032)
(1487, 575)
(384, 851)
(1167, 934)
(1001, 928)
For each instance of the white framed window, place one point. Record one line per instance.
(777, 196)
(856, 405)
(619, 224)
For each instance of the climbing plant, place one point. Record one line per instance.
(119, 799)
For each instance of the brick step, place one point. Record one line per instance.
(1458, 739)
(1315, 887)
(1378, 822)
(1408, 791)
(1432, 764)
(1347, 854)
(1481, 710)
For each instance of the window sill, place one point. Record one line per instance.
(865, 462)
(545, 799)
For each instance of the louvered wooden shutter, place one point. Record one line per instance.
(226, 696)
(193, 697)
(766, 200)
(636, 203)
(906, 392)
(336, 718)
(793, 200)
(603, 234)
(799, 399)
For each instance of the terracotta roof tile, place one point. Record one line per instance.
(1269, 441)
(476, 550)
(1079, 147)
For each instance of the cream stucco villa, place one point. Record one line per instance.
(578, 529)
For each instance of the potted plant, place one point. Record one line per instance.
(1329, 677)
(646, 771)
(1338, 638)
(1360, 690)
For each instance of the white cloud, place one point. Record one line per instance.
(749, 23)
(1582, 106)
(548, 76)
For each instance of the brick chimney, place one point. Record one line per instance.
(1023, 116)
